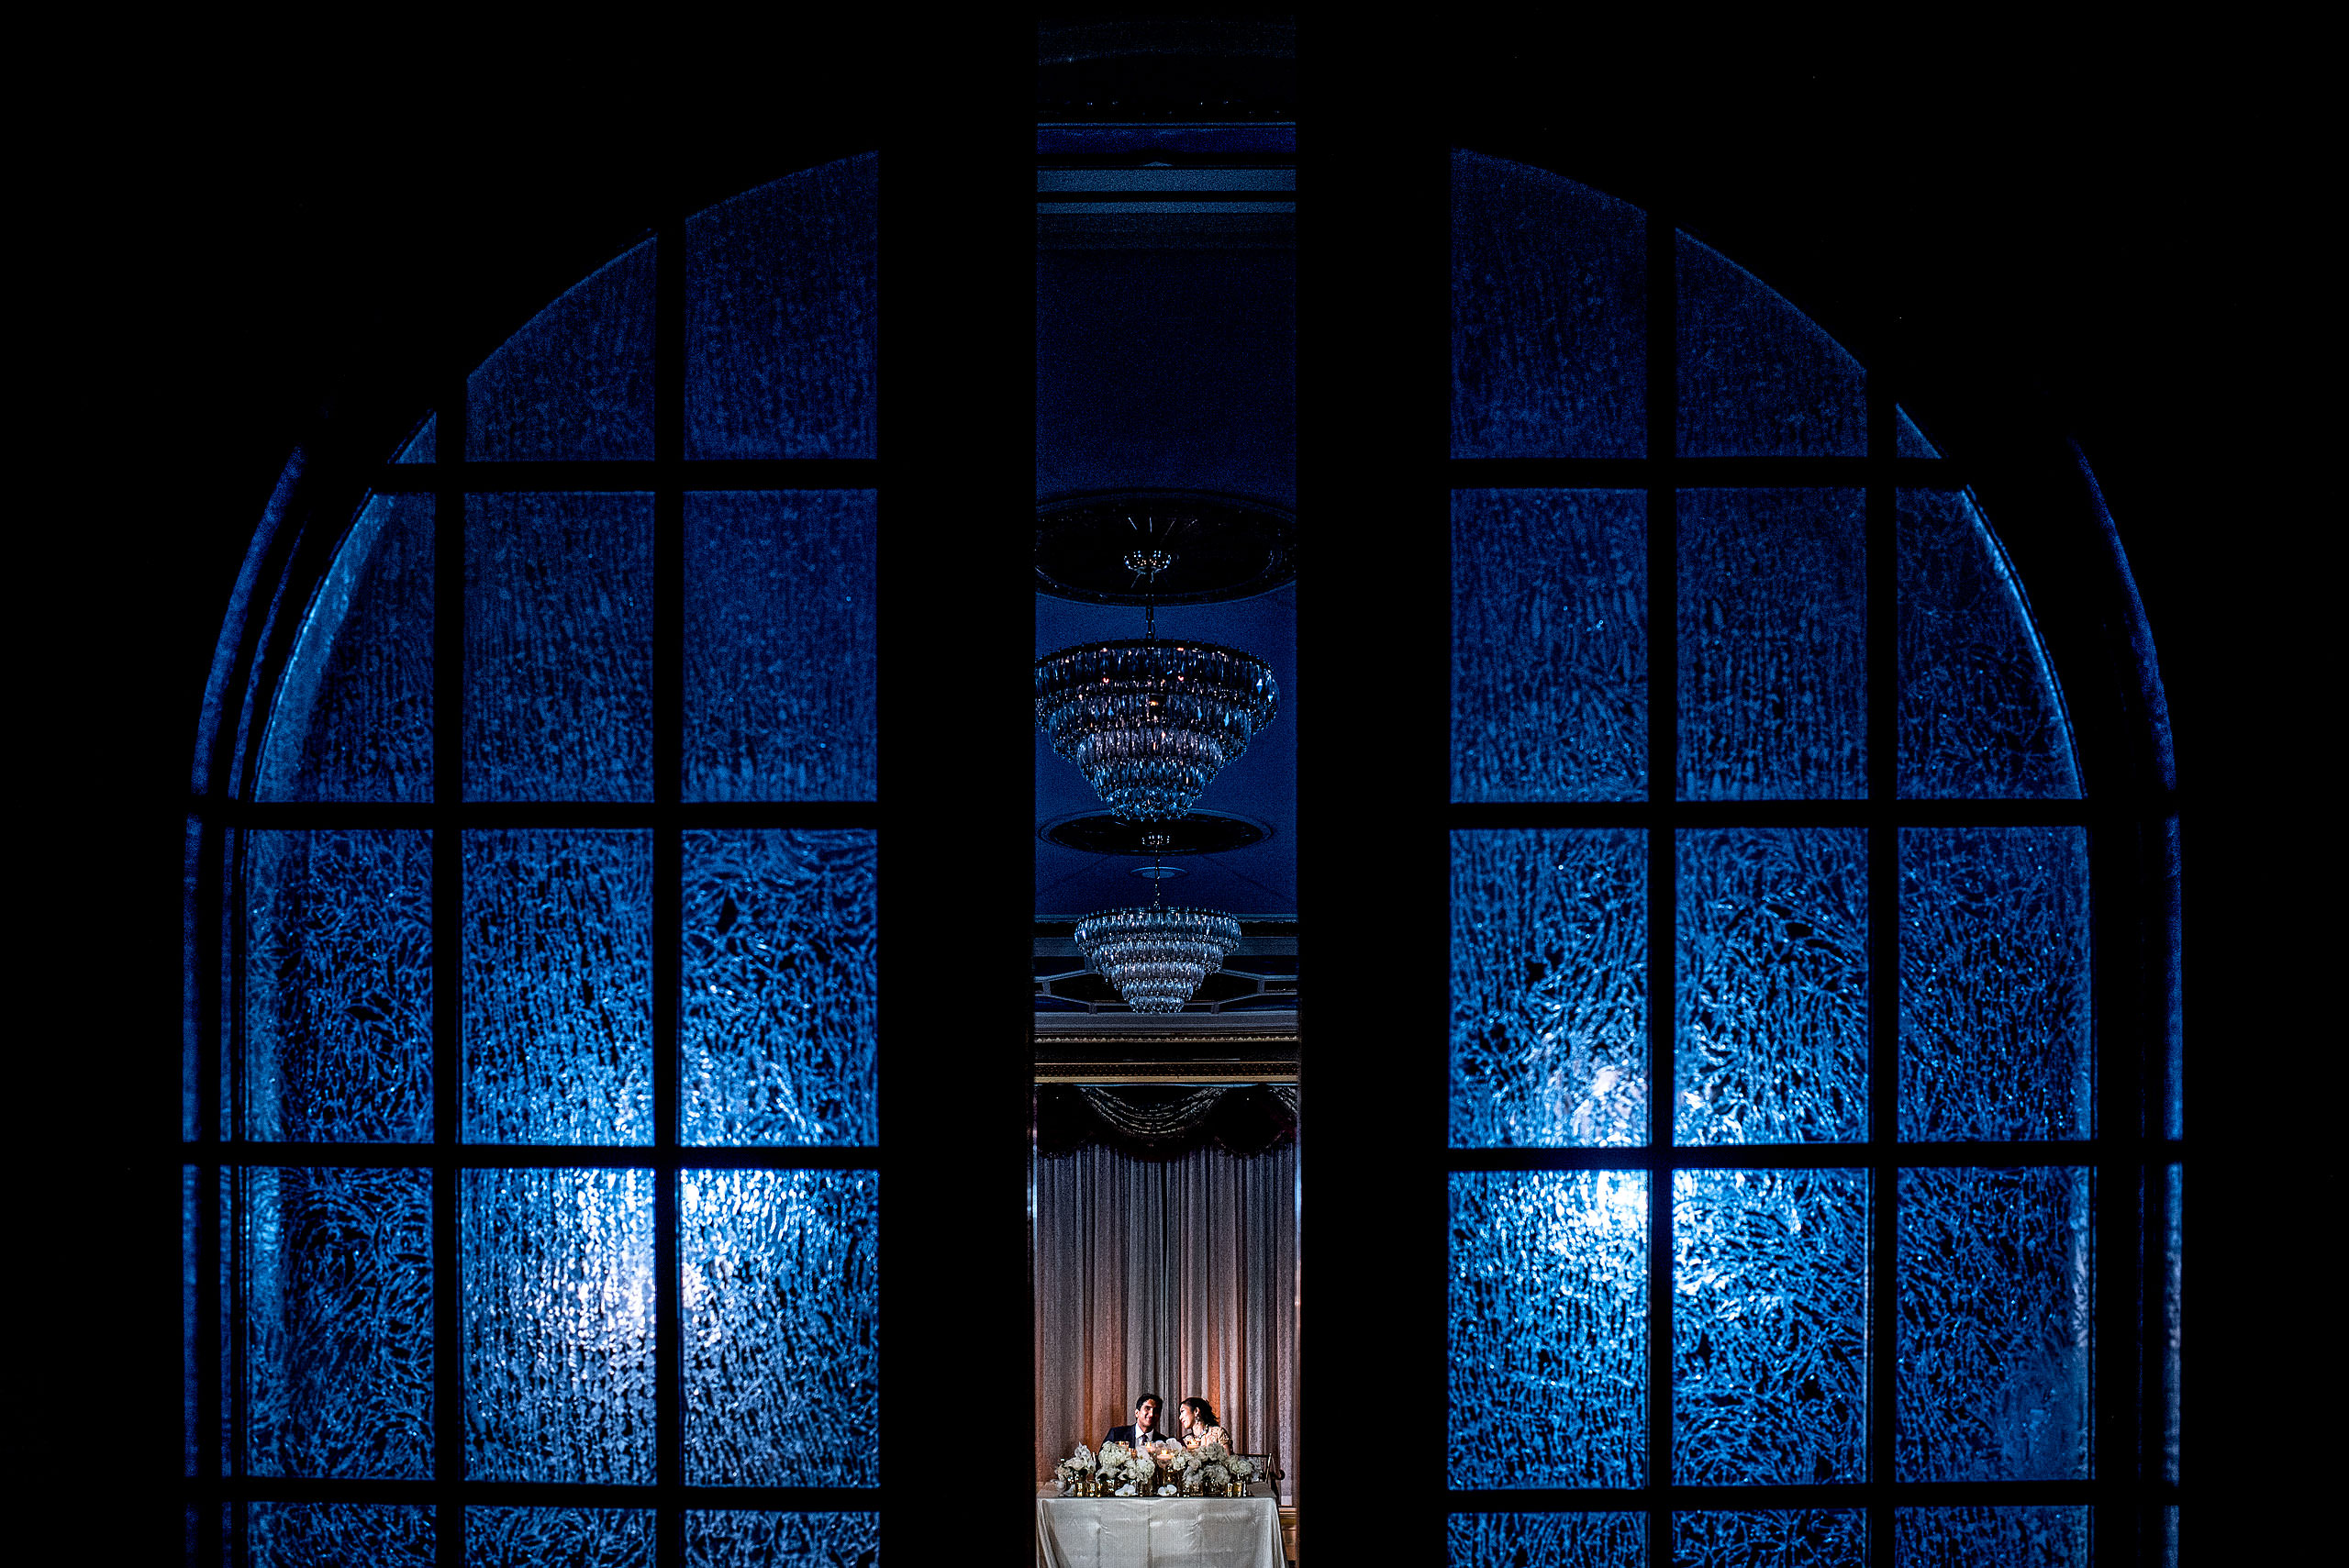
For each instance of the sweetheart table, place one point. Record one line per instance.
(1159, 1532)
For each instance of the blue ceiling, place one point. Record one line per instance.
(1172, 369)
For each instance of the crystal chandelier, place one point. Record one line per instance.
(1156, 957)
(1150, 723)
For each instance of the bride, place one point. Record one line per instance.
(1200, 1426)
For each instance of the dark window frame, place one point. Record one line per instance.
(2127, 814)
(927, 212)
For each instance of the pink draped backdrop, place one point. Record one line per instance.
(1175, 1277)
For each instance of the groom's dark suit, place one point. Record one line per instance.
(1126, 1435)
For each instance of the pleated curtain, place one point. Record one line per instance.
(1168, 1276)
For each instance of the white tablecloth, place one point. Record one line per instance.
(1159, 1532)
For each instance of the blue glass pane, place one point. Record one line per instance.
(338, 1014)
(1756, 377)
(1548, 1541)
(1769, 1326)
(781, 1296)
(1979, 714)
(227, 1258)
(744, 1539)
(191, 1374)
(1774, 634)
(780, 989)
(1970, 1536)
(559, 1304)
(559, 647)
(782, 318)
(195, 918)
(575, 1538)
(576, 382)
(1549, 645)
(780, 645)
(1996, 1038)
(1549, 987)
(425, 445)
(1997, 1281)
(1908, 440)
(352, 719)
(337, 1535)
(1772, 986)
(558, 986)
(2173, 997)
(1808, 1538)
(338, 1275)
(1548, 1304)
(1549, 315)
(2173, 1279)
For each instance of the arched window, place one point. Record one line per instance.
(530, 1094)
(1802, 951)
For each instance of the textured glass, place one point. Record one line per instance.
(338, 1006)
(559, 1308)
(780, 645)
(1769, 1326)
(1806, 1538)
(730, 1540)
(1995, 1035)
(1773, 645)
(780, 992)
(559, 647)
(782, 1298)
(1546, 1541)
(2173, 1278)
(338, 1275)
(1549, 987)
(576, 382)
(575, 1537)
(1971, 1537)
(1996, 1277)
(352, 719)
(1549, 645)
(1549, 315)
(425, 445)
(781, 317)
(1771, 994)
(558, 990)
(191, 1366)
(1979, 714)
(1756, 377)
(1549, 1323)
(337, 1535)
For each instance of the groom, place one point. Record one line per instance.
(1145, 1426)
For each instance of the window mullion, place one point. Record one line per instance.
(1884, 949)
(448, 977)
(1663, 772)
(668, 870)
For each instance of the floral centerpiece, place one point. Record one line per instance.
(1077, 1468)
(1127, 1471)
(1218, 1469)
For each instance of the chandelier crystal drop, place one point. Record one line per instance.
(1156, 957)
(1150, 723)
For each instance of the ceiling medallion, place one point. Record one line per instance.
(1169, 548)
(1193, 833)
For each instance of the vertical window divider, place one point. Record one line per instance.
(210, 904)
(1882, 535)
(447, 976)
(668, 870)
(1664, 774)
